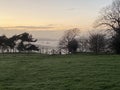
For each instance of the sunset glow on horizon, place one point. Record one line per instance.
(49, 14)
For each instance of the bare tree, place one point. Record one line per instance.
(97, 43)
(68, 37)
(110, 18)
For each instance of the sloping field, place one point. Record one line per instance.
(70, 72)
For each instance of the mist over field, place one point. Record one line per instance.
(44, 37)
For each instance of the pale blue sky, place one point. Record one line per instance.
(56, 14)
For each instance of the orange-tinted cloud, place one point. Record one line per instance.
(28, 27)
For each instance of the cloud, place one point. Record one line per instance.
(47, 27)
(72, 9)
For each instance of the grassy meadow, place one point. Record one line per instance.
(67, 72)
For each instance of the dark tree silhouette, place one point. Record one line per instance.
(110, 18)
(11, 42)
(97, 43)
(26, 37)
(116, 44)
(3, 45)
(21, 47)
(73, 46)
(23, 42)
(26, 42)
(69, 36)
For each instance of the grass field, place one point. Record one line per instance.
(70, 72)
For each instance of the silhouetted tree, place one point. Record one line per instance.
(68, 38)
(26, 37)
(73, 46)
(21, 47)
(22, 42)
(110, 18)
(116, 44)
(97, 43)
(11, 42)
(3, 45)
(26, 42)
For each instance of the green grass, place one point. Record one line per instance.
(70, 72)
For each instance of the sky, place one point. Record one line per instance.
(49, 14)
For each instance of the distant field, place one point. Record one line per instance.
(70, 72)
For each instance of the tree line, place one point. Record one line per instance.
(71, 42)
(18, 43)
(109, 20)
